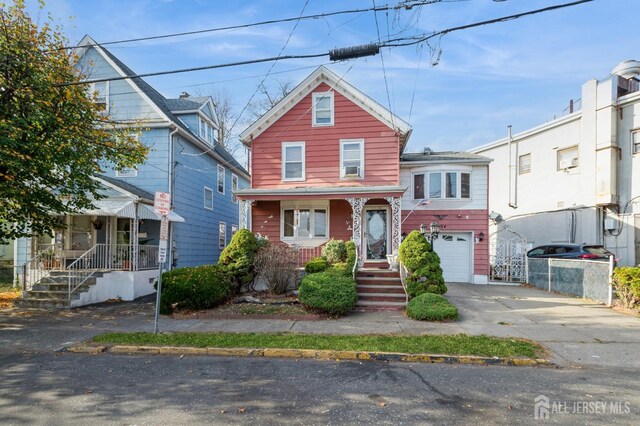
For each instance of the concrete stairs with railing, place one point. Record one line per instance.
(379, 288)
(53, 291)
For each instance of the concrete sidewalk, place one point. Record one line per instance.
(578, 333)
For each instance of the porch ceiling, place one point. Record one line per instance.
(325, 193)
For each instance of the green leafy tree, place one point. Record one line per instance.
(53, 137)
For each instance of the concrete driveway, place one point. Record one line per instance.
(577, 332)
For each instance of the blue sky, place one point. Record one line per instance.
(522, 72)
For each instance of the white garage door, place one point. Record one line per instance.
(454, 250)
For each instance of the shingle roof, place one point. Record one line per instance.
(161, 102)
(186, 104)
(443, 156)
(127, 187)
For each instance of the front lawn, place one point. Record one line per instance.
(7, 295)
(459, 344)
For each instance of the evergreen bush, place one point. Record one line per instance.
(423, 264)
(329, 292)
(200, 287)
(317, 264)
(431, 307)
(626, 283)
(334, 251)
(237, 259)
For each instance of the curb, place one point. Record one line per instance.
(86, 348)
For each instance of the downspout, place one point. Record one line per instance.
(513, 190)
(170, 188)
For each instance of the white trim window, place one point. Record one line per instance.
(208, 198)
(222, 235)
(220, 179)
(293, 161)
(234, 229)
(205, 131)
(99, 92)
(635, 142)
(304, 222)
(524, 164)
(234, 187)
(322, 110)
(433, 185)
(352, 158)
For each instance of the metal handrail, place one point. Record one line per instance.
(85, 266)
(403, 279)
(34, 270)
(355, 263)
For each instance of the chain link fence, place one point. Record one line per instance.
(582, 278)
(8, 276)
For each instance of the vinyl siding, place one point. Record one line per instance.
(322, 147)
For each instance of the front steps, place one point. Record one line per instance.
(379, 289)
(53, 292)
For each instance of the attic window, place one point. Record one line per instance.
(205, 131)
(99, 92)
(322, 109)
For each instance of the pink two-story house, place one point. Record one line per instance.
(326, 163)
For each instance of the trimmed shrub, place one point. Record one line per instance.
(626, 283)
(200, 287)
(431, 307)
(350, 247)
(317, 264)
(334, 251)
(425, 273)
(236, 260)
(330, 292)
(278, 264)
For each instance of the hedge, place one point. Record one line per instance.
(317, 264)
(431, 307)
(200, 287)
(331, 292)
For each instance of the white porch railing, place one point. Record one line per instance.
(404, 273)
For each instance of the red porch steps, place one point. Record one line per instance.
(379, 288)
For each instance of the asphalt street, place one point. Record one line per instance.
(65, 388)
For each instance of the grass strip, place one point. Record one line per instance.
(459, 344)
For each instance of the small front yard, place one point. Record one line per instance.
(459, 344)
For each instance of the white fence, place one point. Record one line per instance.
(582, 278)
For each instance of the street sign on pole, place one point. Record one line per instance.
(162, 203)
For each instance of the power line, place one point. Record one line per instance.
(384, 71)
(398, 42)
(408, 5)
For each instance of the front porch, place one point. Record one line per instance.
(307, 223)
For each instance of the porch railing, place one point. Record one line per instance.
(39, 267)
(404, 273)
(306, 254)
(84, 267)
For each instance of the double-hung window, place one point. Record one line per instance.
(293, 159)
(234, 187)
(304, 223)
(322, 109)
(100, 95)
(352, 158)
(208, 198)
(222, 235)
(524, 164)
(635, 141)
(441, 185)
(220, 179)
(205, 131)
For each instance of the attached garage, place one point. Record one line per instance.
(454, 249)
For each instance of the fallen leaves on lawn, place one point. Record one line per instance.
(7, 298)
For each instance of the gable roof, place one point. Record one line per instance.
(132, 189)
(191, 103)
(159, 101)
(324, 75)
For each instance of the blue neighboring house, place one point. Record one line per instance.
(111, 251)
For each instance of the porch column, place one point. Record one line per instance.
(396, 221)
(108, 261)
(133, 244)
(244, 206)
(357, 204)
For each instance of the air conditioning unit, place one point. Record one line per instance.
(568, 163)
(351, 171)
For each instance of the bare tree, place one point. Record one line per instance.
(268, 97)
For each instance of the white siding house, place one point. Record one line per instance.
(576, 179)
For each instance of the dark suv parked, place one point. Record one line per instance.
(570, 251)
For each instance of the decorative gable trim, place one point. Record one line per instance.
(324, 75)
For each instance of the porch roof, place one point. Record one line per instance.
(325, 193)
(111, 207)
(146, 211)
